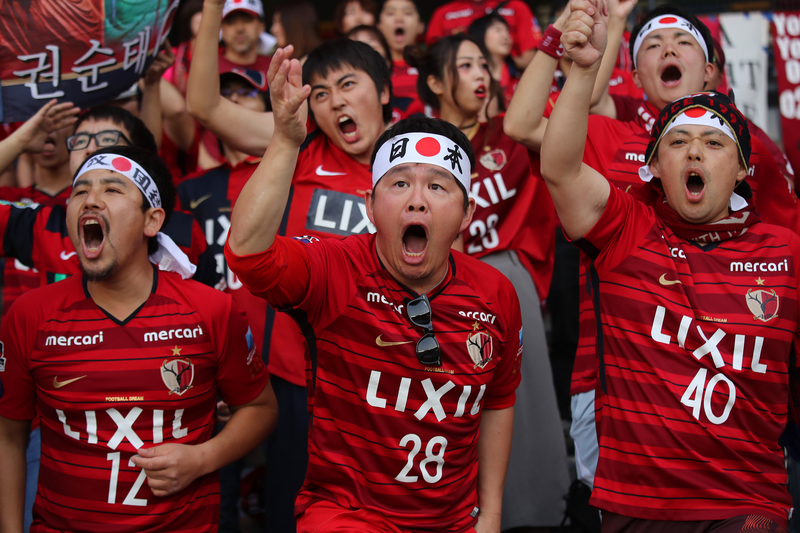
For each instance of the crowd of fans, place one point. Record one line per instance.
(212, 105)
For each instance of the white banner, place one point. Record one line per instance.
(745, 37)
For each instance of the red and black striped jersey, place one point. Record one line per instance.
(37, 237)
(326, 200)
(104, 388)
(513, 208)
(695, 351)
(388, 433)
(405, 100)
(616, 150)
(18, 278)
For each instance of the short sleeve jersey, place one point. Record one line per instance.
(388, 433)
(405, 100)
(616, 150)
(326, 200)
(696, 348)
(513, 208)
(104, 388)
(18, 278)
(456, 16)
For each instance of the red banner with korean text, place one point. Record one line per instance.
(82, 51)
(786, 39)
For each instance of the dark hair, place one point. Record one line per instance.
(477, 30)
(339, 53)
(188, 9)
(429, 125)
(299, 21)
(416, 6)
(375, 32)
(158, 171)
(140, 136)
(672, 10)
(338, 12)
(440, 62)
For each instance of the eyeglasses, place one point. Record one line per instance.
(242, 91)
(103, 139)
(429, 353)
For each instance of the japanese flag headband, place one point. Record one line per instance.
(669, 21)
(168, 256)
(128, 168)
(427, 148)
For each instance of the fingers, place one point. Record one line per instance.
(277, 61)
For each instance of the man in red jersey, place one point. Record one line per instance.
(123, 365)
(672, 60)
(697, 312)
(242, 26)
(407, 341)
(457, 15)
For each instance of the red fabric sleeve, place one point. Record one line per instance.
(501, 393)
(241, 374)
(625, 222)
(267, 274)
(17, 389)
(527, 35)
(435, 31)
(775, 200)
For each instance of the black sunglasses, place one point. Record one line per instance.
(429, 353)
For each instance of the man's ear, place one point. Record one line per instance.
(465, 222)
(654, 167)
(369, 200)
(384, 96)
(636, 80)
(743, 170)
(154, 219)
(708, 75)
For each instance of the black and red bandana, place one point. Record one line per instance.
(714, 106)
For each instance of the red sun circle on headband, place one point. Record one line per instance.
(667, 20)
(428, 146)
(695, 112)
(121, 164)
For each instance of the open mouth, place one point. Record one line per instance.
(671, 75)
(415, 241)
(349, 128)
(92, 236)
(399, 32)
(49, 145)
(695, 184)
(480, 92)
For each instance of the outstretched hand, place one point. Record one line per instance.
(53, 116)
(620, 9)
(164, 60)
(584, 37)
(288, 95)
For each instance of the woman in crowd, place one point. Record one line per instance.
(349, 14)
(295, 23)
(512, 230)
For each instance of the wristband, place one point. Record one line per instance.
(551, 43)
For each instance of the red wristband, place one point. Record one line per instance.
(551, 43)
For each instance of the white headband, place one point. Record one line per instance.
(168, 256)
(668, 21)
(128, 168)
(427, 148)
(699, 116)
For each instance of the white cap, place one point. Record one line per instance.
(254, 7)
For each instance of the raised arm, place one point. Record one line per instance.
(151, 110)
(524, 121)
(579, 192)
(257, 216)
(241, 129)
(178, 123)
(618, 11)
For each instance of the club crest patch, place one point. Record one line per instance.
(479, 347)
(763, 304)
(178, 375)
(494, 160)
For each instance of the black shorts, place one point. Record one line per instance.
(615, 523)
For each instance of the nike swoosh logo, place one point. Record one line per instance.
(383, 343)
(194, 203)
(64, 255)
(58, 384)
(664, 281)
(321, 172)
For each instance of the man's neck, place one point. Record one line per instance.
(125, 291)
(51, 180)
(246, 59)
